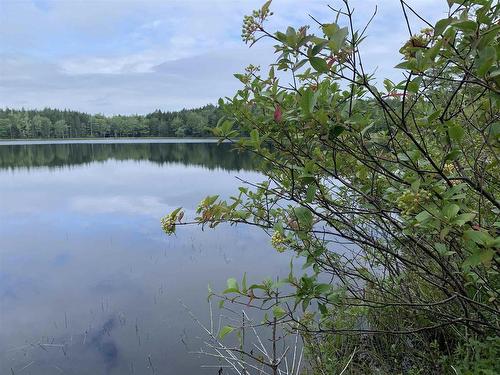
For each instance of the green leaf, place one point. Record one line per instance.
(415, 185)
(232, 283)
(291, 36)
(319, 64)
(232, 286)
(280, 36)
(480, 256)
(493, 242)
(487, 57)
(254, 136)
(322, 309)
(488, 37)
(225, 331)
(226, 126)
(271, 72)
(486, 256)
(456, 132)
(304, 217)
(433, 116)
(423, 216)
(308, 101)
(441, 248)
(330, 29)
(323, 288)
(210, 200)
(222, 119)
(441, 26)
(265, 7)
(317, 48)
(175, 212)
(278, 312)
(464, 218)
(452, 155)
(495, 73)
(244, 283)
(414, 84)
(336, 35)
(321, 116)
(476, 236)
(389, 85)
(258, 286)
(299, 65)
(494, 131)
(311, 191)
(444, 232)
(434, 50)
(305, 304)
(241, 77)
(450, 210)
(465, 26)
(335, 131)
(411, 64)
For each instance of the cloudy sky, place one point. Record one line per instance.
(121, 56)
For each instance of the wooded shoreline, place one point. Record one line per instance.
(62, 124)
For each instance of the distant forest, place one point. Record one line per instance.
(54, 123)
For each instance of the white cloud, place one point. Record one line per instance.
(134, 63)
(187, 82)
(134, 57)
(116, 204)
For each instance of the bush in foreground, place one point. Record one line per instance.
(387, 195)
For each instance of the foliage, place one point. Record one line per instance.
(477, 357)
(389, 196)
(53, 123)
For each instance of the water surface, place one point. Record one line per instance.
(88, 282)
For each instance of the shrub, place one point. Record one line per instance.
(388, 195)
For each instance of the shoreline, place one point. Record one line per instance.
(110, 140)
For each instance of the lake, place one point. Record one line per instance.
(89, 284)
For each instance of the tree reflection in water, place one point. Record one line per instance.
(54, 155)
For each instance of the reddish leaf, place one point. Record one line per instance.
(277, 114)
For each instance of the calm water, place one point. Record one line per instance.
(88, 282)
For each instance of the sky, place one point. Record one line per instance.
(126, 57)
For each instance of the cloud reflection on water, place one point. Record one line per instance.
(83, 245)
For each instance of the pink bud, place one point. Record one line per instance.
(277, 114)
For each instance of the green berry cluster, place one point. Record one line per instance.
(279, 241)
(253, 23)
(251, 69)
(168, 221)
(415, 43)
(168, 224)
(429, 31)
(410, 201)
(448, 168)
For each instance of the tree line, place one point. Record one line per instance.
(55, 123)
